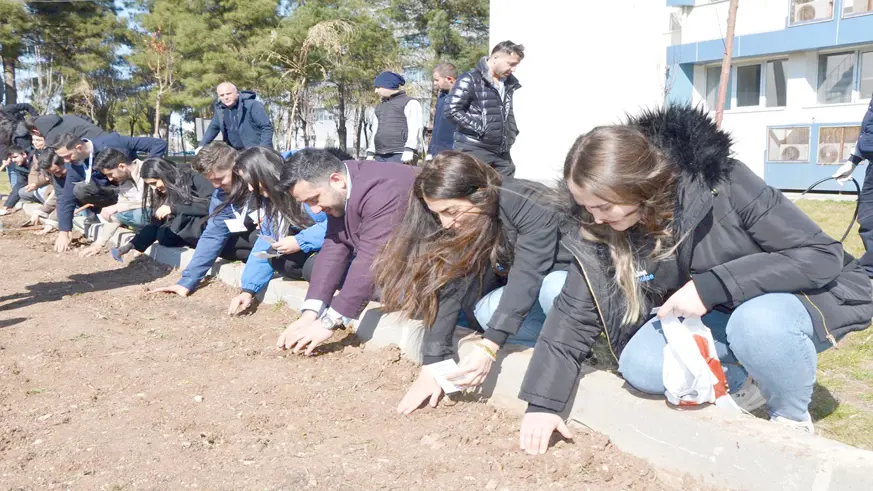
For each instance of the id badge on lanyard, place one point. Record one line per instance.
(237, 224)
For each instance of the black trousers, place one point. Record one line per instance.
(238, 246)
(95, 194)
(501, 162)
(865, 220)
(297, 266)
(161, 234)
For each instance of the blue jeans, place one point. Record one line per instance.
(770, 338)
(133, 218)
(530, 329)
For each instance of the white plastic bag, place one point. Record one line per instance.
(693, 374)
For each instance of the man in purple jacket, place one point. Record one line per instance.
(365, 202)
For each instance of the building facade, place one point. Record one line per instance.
(801, 76)
(800, 81)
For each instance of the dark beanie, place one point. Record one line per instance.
(389, 80)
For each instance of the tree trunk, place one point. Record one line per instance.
(341, 131)
(9, 80)
(357, 124)
(726, 62)
(157, 132)
(295, 97)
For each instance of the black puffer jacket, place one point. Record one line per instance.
(480, 116)
(746, 240)
(531, 232)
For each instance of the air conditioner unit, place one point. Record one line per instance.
(814, 10)
(793, 153)
(829, 153)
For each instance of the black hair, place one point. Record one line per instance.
(15, 149)
(110, 159)
(310, 165)
(47, 157)
(339, 153)
(66, 141)
(509, 48)
(7, 128)
(177, 183)
(262, 169)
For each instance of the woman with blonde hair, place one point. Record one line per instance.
(666, 217)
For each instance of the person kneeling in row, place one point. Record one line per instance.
(289, 239)
(177, 200)
(467, 233)
(669, 218)
(123, 172)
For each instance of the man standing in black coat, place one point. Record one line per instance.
(480, 105)
(863, 151)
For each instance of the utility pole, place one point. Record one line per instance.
(726, 62)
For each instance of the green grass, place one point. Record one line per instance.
(4, 183)
(842, 403)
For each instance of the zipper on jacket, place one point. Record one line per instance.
(596, 304)
(830, 337)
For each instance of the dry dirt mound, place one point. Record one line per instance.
(106, 387)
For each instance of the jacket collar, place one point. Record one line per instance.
(482, 67)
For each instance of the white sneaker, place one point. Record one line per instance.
(799, 425)
(749, 396)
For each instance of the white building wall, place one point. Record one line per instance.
(748, 126)
(709, 21)
(587, 66)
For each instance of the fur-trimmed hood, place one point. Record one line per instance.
(690, 140)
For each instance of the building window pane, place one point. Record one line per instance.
(776, 86)
(713, 74)
(867, 74)
(748, 85)
(788, 144)
(836, 144)
(856, 7)
(835, 78)
(803, 11)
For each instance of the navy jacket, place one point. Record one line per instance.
(153, 147)
(132, 145)
(864, 148)
(443, 137)
(52, 126)
(254, 126)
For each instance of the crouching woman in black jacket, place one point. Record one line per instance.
(467, 232)
(177, 200)
(667, 218)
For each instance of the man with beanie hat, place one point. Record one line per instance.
(398, 122)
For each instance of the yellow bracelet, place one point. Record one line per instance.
(488, 351)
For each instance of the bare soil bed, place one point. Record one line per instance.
(105, 387)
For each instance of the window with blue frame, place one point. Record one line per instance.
(857, 7)
(836, 144)
(788, 145)
(806, 11)
(845, 77)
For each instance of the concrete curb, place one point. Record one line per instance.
(721, 448)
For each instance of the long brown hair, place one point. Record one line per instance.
(619, 165)
(422, 257)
